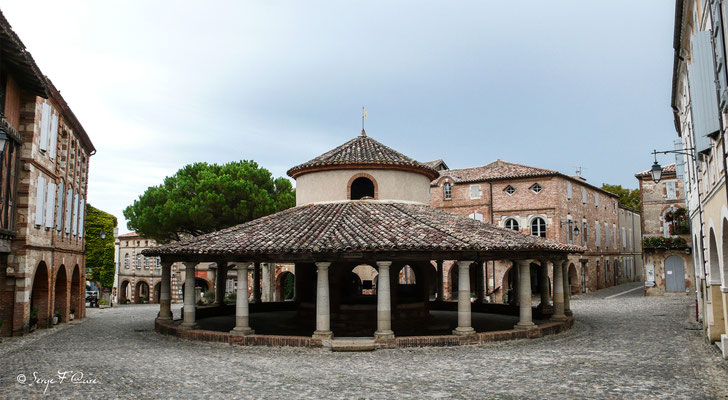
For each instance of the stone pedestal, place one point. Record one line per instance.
(188, 321)
(242, 314)
(384, 304)
(559, 315)
(323, 312)
(524, 295)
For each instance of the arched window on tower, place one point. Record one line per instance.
(362, 188)
(511, 223)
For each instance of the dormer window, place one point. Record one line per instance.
(510, 190)
(536, 188)
(447, 191)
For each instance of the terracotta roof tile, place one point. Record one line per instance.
(356, 226)
(496, 170)
(362, 151)
(666, 169)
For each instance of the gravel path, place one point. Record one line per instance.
(622, 347)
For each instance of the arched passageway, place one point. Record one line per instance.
(508, 286)
(285, 286)
(574, 284)
(362, 188)
(124, 292)
(60, 294)
(40, 297)
(142, 292)
(78, 298)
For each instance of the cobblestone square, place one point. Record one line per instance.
(622, 347)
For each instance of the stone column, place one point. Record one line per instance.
(524, 295)
(165, 306)
(220, 279)
(188, 321)
(384, 304)
(242, 314)
(440, 281)
(323, 312)
(567, 288)
(558, 293)
(480, 282)
(269, 290)
(544, 287)
(464, 316)
(256, 283)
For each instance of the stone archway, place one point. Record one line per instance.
(368, 275)
(40, 299)
(141, 292)
(574, 283)
(509, 288)
(78, 300)
(124, 292)
(60, 294)
(285, 286)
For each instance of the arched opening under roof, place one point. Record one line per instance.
(362, 188)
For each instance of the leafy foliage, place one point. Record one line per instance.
(664, 243)
(100, 252)
(627, 197)
(202, 198)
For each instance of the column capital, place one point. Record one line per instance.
(384, 264)
(464, 264)
(190, 264)
(323, 264)
(242, 265)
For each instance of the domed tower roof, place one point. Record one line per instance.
(362, 152)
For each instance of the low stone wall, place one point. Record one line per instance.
(549, 328)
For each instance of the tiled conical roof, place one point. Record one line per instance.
(362, 152)
(361, 226)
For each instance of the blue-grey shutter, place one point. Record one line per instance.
(59, 206)
(69, 209)
(679, 160)
(81, 217)
(703, 100)
(50, 204)
(75, 214)
(40, 200)
(719, 49)
(45, 122)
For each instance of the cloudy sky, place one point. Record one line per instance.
(160, 84)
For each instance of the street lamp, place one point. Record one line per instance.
(656, 170)
(3, 138)
(102, 234)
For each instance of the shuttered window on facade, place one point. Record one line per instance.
(50, 204)
(45, 119)
(75, 215)
(53, 136)
(569, 193)
(719, 51)
(598, 234)
(81, 215)
(69, 205)
(703, 101)
(59, 206)
(40, 200)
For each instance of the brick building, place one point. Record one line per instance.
(543, 203)
(45, 167)
(139, 277)
(666, 226)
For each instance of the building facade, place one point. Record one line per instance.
(699, 101)
(545, 203)
(139, 277)
(666, 234)
(45, 170)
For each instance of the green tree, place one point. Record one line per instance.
(627, 197)
(100, 252)
(202, 198)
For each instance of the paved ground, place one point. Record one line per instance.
(621, 347)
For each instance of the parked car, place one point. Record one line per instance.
(92, 298)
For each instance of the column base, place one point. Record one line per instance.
(463, 331)
(165, 319)
(558, 318)
(568, 313)
(187, 325)
(546, 308)
(242, 331)
(525, 326)
(323, 335)
(383, 336)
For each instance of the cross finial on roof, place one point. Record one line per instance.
(363, 117)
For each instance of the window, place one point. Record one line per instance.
(476, 216)
(362, 188)
(568, 191)
(158, 262)
(670, 190)
(474, 191)
(139, 261)
(614, 232)
(126, 260)
(606, 235)
(569, 231)
(583, 195)
(146, 263)
(536, 188)
(538, 227)
(40, 198)
(447, 191)
(598, 233)
(510, 190)
(584, 237)
(511, 223)
(624, 238)
(596, 199)
(614, 205)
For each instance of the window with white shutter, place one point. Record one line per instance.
(624, 238)
(75, 215)
(596, 199)
(81, 216)
(59, 206)
(50, 204)
(583, 195)
(671, 190)
(45, 121)
(69, 209)
(606, 235)
(40, 200)
(568, 191)
(53, 136)
(598, 234)
(614, 232)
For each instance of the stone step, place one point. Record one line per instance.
(352, 344)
